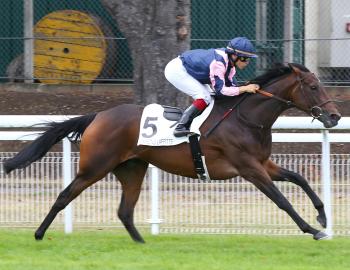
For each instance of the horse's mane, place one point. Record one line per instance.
(277, 71)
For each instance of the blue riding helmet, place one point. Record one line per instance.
(241, 46)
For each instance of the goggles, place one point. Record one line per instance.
(243, 59)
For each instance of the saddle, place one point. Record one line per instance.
(156, 129)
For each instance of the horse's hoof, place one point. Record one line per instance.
(38, 236)
(322, 220)
(139, 241)
(320, 236)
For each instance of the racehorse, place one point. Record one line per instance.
(240, 145)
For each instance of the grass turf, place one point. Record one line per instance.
(115, 250)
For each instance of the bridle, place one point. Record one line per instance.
(314, 110)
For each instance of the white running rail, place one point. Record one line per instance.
(324, 136)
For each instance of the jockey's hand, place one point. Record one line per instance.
(250, 88)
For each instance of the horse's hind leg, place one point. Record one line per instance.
(257, 174)
(79, 183)
(279, 174)
(130, 174)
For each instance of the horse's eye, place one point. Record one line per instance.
(313, 87)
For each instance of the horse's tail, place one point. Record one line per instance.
(55, 133)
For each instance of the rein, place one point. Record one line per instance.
(227, 113)
(267, 94)
(315, 111)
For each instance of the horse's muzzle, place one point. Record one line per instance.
(329, 120)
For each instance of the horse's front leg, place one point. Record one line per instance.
(280, 174)
(255, 173)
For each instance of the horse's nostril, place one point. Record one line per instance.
(335, 117)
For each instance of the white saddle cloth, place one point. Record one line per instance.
(155, 130)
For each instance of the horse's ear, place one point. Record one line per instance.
(294, 69)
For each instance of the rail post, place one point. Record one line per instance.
(67, 178)
(326, 181)
(155, 221)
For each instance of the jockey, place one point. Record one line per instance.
(201, 73)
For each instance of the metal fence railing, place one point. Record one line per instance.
(314, 33)
(185, 205)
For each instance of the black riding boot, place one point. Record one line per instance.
(183, 126)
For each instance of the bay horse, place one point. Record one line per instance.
(240, 145)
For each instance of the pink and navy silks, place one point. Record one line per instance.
(211, 67)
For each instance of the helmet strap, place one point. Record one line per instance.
(233, 62)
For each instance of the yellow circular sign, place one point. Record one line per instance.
(69, 48)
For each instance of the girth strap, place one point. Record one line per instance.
(198, 158)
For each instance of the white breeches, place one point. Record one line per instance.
(177, 75)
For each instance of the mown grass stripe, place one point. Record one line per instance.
(114, 250)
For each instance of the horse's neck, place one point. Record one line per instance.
(263, 114)
(262, 111)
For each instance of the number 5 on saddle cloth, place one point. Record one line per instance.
(156, 129)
